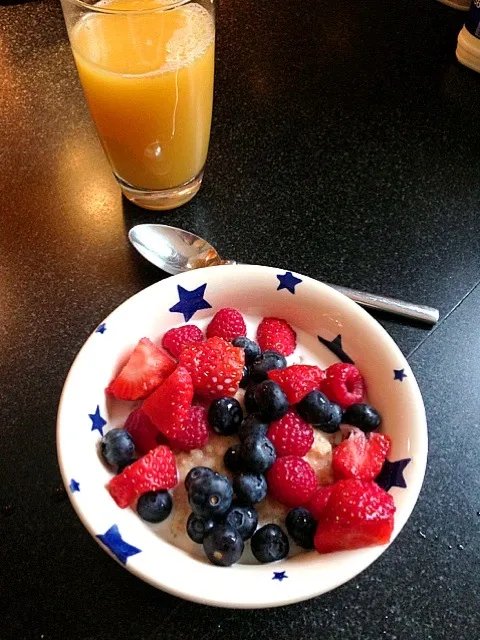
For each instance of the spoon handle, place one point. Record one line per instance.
(419, 312)
(429, 315)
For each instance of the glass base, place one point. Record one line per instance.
(161, 200)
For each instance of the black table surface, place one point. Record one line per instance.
(345, 146)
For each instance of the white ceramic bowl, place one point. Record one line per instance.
(308, 305)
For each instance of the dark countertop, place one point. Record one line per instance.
(345, 146)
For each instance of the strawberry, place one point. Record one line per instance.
(169, 406)
(194, 433)
(291, 481)
(144, 434)
(360, 456)
(297, 380)
(291, 436)
(319, 501)
(155, 470)
(358, 514)
(145, 370)
(343, 384)
(227, 324)
(274, 334)
(175, 340)
(216, 367)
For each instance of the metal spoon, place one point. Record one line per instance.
(175, 250)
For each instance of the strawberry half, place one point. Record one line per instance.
(297, 380)
(360, 456)
(358, 514)
(319, 500)
(145, 370)
(169, 406)
(216, 367)
(144, 434)
(156, 470)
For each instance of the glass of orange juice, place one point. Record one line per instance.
(146, 68)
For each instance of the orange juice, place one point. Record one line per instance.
(148, 81)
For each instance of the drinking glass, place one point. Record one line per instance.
(146, 68)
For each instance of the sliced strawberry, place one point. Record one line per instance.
(318, 502)
(358, 514)
(156, 470)
(194, 433)
(169, 406)
(144, 434)
(360, 456)
(216, 367)
(298, 380)
(145, 370)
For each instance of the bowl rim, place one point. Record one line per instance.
(370, 554)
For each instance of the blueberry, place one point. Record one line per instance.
(197, 527)
(211, 495)
(363, 416)
(270, 544)
(266, 362)
(117, 447)
(315, 408)
(154, 506)
(249, 399)
(245, 381)
(335, 420)
(223, 545)
(244, 519)
(232, 458)
(196, 473)
(301, 525)
(250, 488)
(225, 415)
(251, 348)
(257, 454)
(271, 400)
(253, 425)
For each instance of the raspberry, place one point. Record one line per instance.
(291, 435)
(227, 324)
(216, 367)
(360, 456)
(144, 434)
(343, 384)
(156, 470)
(291, 481)
(169, 406)
(319, 500)
(194, 433)
(358, 514)
(297, 380)
(274, 334)
(175, 340)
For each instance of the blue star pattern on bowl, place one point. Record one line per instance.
(279, 575)
(399, 374)
(117, 545)
(190, 301)
(74, 486)
(101, 328)
(288, 281)
(391, 474)
(335, 346)
(97, 421)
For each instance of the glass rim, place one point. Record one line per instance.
(95, 8)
